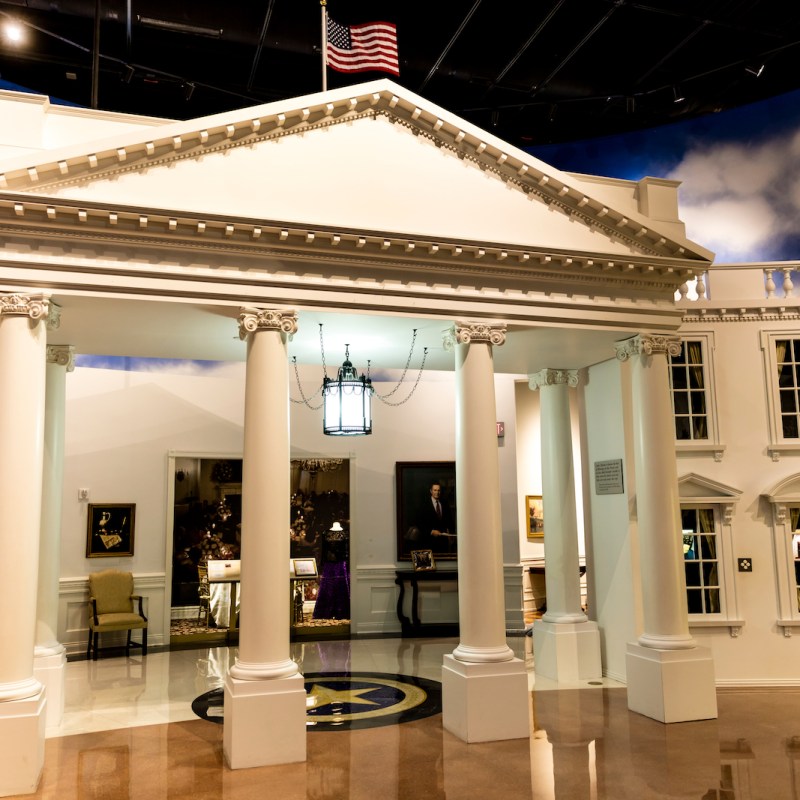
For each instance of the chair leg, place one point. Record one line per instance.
(144, 641)
(89, 644)
(95, 636)
(128, 643)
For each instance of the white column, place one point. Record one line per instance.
(669, 677)
(566, 645)
(22, 396)
(484, 687)
(50, 658)
(265, 698)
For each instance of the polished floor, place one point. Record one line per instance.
(129, 732)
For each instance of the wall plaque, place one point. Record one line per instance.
(608, 477)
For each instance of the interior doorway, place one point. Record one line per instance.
(206, 535)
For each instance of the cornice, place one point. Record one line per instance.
(71, 223)
(173, 142)
(760, 313)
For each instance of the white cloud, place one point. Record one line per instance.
(740, 200)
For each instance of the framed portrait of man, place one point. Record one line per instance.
(426, 509)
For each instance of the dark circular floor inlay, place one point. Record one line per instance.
(349, 700)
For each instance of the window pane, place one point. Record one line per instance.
(681, 357)
(698, 402)
(679, 378)
(785, 375)
(695, 601)
(682, 428)
(710, 574)
(693, 573)
(681, 402)
(789, 424)
(795, 350)
(788, 401)
(699, 428)
(695, 378)
(708, 547)
(712, 601)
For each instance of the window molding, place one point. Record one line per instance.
(712, 445)
(782, 497)
(777, 445)
(697, 491)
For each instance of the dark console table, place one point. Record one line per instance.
(415, 626)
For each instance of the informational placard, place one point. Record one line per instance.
(608, 477)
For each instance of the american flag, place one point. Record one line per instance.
(360, 48)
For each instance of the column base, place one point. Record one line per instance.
(671, 685)
(50, 670)
(22, 733)
(567, 651)
(265, 722)
(487, 702)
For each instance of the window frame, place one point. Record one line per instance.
(777, 443)
(696, 491)
(784, 497)
(712, 444)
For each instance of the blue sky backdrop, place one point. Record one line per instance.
(739, 172)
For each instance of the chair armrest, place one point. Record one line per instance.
(141, 608)
(93, 609)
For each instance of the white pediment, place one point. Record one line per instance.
(372, 157)
(697, 488)
(787, 491)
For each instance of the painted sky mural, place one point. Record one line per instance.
(739, 172)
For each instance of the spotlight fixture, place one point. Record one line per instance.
(127, 73)
(754, 69)
(677, 95)
(347, 409)
(13, 32)
(188, 91)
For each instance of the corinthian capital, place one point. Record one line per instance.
(473, 332)
(648, 345)
(61, 354)
(35, 306)
(553, 377)
(266, 319)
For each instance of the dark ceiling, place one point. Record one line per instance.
(534, 73)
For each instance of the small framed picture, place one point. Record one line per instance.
(534, 513)
(110, 528)
(305, 567)
(422, 560)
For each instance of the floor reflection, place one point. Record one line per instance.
(129, 732)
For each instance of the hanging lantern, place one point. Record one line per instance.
(347, 409)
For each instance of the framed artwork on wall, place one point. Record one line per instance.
(426, 509)
(534, 513)
(110, 528)
(423, 560)
(305, 567)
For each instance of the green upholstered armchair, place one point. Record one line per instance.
(111, 608)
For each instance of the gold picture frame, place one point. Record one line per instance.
(534, 516)
(305, 567)
(423, 560)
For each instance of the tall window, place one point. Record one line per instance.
(787, 358)
(794, 514)
(688, 384)
(701, 560)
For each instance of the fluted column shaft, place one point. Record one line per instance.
(22, 396)
(664, 605)
(480, 547)
(264, 649)
(562, 559)
(59, 361)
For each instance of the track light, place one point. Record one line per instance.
(754, 69)
(179, 27)
(188, 91)
(677, 95)
(128, 73)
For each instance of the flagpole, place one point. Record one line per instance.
(323, 5)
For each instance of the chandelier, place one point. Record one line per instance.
(347, 399)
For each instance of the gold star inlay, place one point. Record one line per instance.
(323, 696)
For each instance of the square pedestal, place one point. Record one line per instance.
(485, 702)
(22, 730)
(671, 685)
(265, 722)
(50, 671)
(567, 652)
